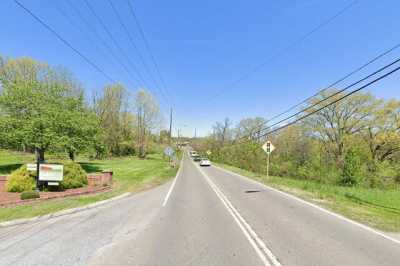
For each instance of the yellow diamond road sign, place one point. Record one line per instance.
(268, 147)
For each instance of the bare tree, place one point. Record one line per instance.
(148, 119)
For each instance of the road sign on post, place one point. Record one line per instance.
(168, 151)
(268, 148)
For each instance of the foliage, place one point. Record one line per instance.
(354, 142)
(74, 176)
(130, 174)
(42, 107)
(148, 118)
(351, 169)
(21, 180)
(29, 195)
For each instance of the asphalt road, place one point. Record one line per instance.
(206, 216)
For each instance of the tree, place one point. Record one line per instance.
(39, 106)
(115, 118)
(339, 122)
(222, 131)
(251, 128)
(383, 131)
(148, 118)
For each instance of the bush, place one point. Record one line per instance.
(74, 176)
(21, 180)
(351, 169)
(126, 148)
(30, 195)
(382, 175)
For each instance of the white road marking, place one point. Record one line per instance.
(173, 183)
(397, 241)
(259, 246)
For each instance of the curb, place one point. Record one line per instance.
(62, 213)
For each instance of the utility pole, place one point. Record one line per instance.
(195, 133)
(179, 138)
(170, 126)
(268, 164)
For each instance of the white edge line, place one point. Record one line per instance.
(173, 183)
(249, 233)
(365, 227)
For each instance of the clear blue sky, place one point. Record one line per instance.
(202, 46)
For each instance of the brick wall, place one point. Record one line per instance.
(100, 179)
(3, 180)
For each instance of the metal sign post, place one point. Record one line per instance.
(268, 148)
(268, 165)
(37, 169)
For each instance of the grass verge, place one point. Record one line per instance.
(130, 175)
(374, 207)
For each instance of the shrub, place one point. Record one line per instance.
(74, 176)
(30, 195)
(126, 148)
(351, 169)
(21, 180)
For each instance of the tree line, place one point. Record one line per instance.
(352, 142)
(45, 109)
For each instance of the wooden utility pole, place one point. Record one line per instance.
(170, 126)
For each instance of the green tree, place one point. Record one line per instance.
(39, 107)
(351, 168)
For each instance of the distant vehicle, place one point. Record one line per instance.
(205, 162)
(193, 153)
(196, 158)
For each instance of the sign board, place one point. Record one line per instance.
(208, 152)
(31, 166)
(268, 147)
(169, 151)
(51, 172)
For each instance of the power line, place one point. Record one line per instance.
(110, 35)
(54, 32)
(110, 51)
(73, 23)
(284, 50)
(124, 27)
(334, 94)
(326, 88)
(147, 45)
(333, 102)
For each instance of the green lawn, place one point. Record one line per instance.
(130, 174)
(374, 207)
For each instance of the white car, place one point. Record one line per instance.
(205, 162)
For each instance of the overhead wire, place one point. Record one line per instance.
(148, 48)
(92, 29)
(358, 69)
(132, 43)
(273, 130)
(116, 44)
(63, 40)
(284, 50)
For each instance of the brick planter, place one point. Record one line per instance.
(3, 180)
(96, 183)
(100, 179)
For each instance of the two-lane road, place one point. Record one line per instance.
(206, 216)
